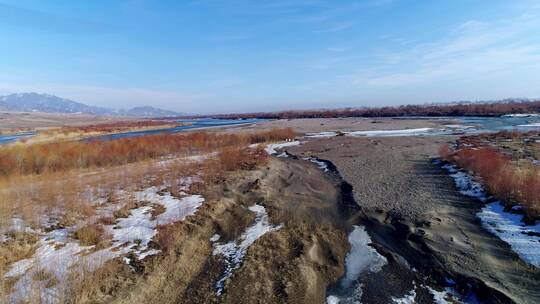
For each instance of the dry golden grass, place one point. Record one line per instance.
(19, 246)
(90, 235)
(98, 285)
(79, 188)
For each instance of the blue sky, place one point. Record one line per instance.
(209, 56)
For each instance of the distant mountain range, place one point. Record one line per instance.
(45, 103)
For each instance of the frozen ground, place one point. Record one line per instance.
(361, 259)
(531, 125)
(409, 298)
(525, 240)
(58, 253)
(509, 227)
(322, 134)
(322, 165)
(404, 132)
(271, 149)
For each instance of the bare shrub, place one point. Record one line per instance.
(512, 182)
(62, 156)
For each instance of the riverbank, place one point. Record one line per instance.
(412, 209)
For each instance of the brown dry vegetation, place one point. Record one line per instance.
(117, 126)
(459, 109)
(55, 157)
(505, 179)
(38, 187)
(91, 235)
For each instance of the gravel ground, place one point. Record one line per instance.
(412, 208)
(386, 173)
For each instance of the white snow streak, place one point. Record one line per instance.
(234, 251)
(272, 148)
(57, 253)
(360, 260)
(322, 134)
(322, 165)
(405, 132)
(409, 298)
(523, 239)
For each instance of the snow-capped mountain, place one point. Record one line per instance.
(34, 102)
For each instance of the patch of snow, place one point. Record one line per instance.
(517, 208)
(409, 298)
(19, 268)
(272, 148)
(382, 133)
(524, 240)
(234, 251)
(441, 297)
(465, 183)
(135, 232)
(215, 238)
(362, 257)
(175, 209)
(57, 253)
(522, 115)
(322, 134)
(332, 300)
(322, 165)
(459, 126)
(54, 257)
(531, 125)
(360, 260)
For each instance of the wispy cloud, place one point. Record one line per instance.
(474, 48)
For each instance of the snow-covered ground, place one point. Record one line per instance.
(271, 149)
(522, 115)
(404, 132)
(525, 240)
(58, 253)
(409, 298)
(322, 165)
(361, 259)
(233, 252)
(455, 126)
(322, 134)
(531, 125)
(509, 227)
(379, 133)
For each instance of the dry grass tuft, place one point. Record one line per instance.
(90, 235)
(19, 246)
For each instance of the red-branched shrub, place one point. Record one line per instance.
(61, 156)
(502, 177)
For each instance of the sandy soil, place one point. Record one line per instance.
(412, 209)
(10, 120)
(294, 264)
